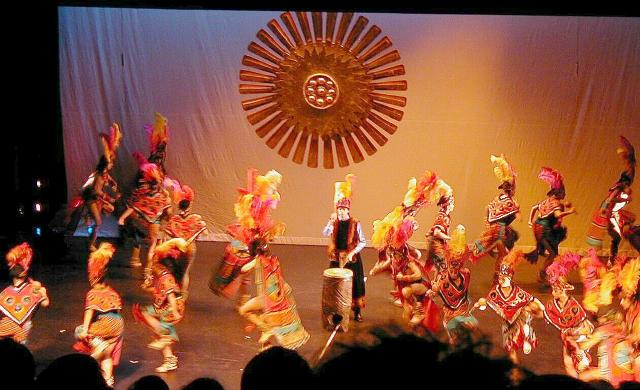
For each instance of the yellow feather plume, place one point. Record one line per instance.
(439, 190)
(343, 188)
(502, 170)
(381, 228)
(411, 195)
(629, 276)
(458, 243)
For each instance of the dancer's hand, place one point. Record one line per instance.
(333, 217)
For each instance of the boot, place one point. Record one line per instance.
(170, 363)
(357, 315)
(418, 314)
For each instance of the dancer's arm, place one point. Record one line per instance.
(362, 242)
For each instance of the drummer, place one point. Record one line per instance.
(346, 240)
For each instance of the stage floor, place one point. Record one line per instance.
(212, 340)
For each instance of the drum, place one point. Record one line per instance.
(336, 298)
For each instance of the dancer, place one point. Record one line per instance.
(148, 203)
(567, 315)
(617, 357)
(629, 282)
(158, 133)
(273, 309)
(100, 190)
(168, 301)
(453, 287)
(20, 300)
(100, 334)
(516, 307)
(346, 241)
(498, 234)
(402, 261)
(438, 235)
(546, 221)
(186, 225)
(611, 217)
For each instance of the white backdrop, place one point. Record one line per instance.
(543, 90)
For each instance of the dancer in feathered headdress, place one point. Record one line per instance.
(158, 140)
(100, 190)
(610, 217)
(401, 260)
(453, 286)
(442, 195)
(100, 334)
(169, 300)
(20, 300)
(546, 220)
(629, 282)
(186, 225)
(147, 204)
(567, 315)
(617, 333)
(498, 235)
(346, 240)
(515, 306)
(273, 309)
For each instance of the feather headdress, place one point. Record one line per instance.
(504, 172)
(511, 261)
(417, 194)
(557, 272)
(254, 206)
(342, 193)
(21, 255)
(553, 178)
(158, 133)
(629, 277)
(111, 142)
(98, 261)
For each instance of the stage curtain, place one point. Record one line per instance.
(544, 90)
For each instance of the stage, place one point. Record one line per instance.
(212, 340)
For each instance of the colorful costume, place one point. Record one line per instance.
(629, 281)
(20, 300)
(147, 204)
(141, 225)
(94, 196)
(101, 333)
(438, 235)
(453, 288)
(346, 240)
(568, 316)
(273, 309)
(515, 306)
(546, 220)
(186, 225)
(611, 217)
(226, 280)
(498, 234)
(402, 261)
(168, 300)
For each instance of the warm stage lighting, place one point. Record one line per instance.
(38, 207)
